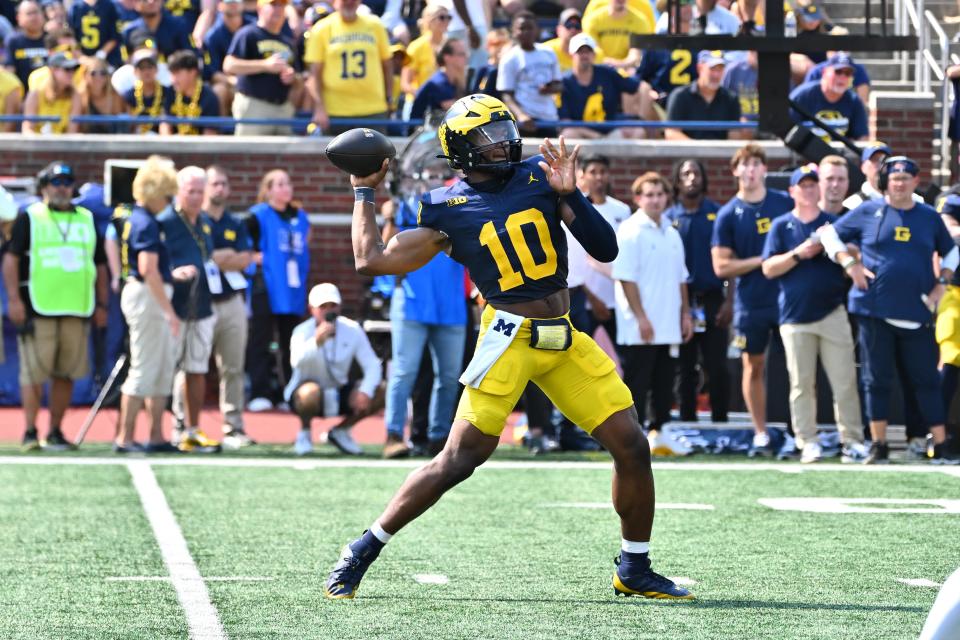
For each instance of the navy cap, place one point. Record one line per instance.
(869, 150)
(810, 12)
(949, 203)
(901, 164)
(840, 60)
(711, 58)
(801, 173)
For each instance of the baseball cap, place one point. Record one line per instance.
(581, 40)
(801, 173)
(901, 164)
(810, 11)
(260, 3)
(869, 150)
(840, 60)
(323, 293)
(711, 58)
(143, 54)
(949, 203)
(63, 60)
(567, 14)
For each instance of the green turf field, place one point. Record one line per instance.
(525, 550)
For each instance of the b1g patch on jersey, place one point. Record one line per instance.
(453, 202)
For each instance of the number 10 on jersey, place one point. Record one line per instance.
(509, 277)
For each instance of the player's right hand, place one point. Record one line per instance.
(374, 179)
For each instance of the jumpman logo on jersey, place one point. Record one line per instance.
(532, 179)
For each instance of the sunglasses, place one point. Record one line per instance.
(100, 72)
(844, 71)
(61, 181)
(443, 18)
(573, 24)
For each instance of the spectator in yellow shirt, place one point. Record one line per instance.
(569, 25)
(352, 66)
(57, 97)
(612, 30)
(11, 98)
(433, 25)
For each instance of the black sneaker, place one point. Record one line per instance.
(133, 447)
(161, 447)
(944, 453)
(56, 442)
(30, 440)
(879, 453)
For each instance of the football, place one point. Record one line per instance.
(360, 152)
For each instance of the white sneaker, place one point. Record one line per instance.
(811, 453)
(259, 404)
(664, 443)
(761, 445)
(236, 439)
(854, 453)
(303, 445)
(917, 448)
(340, 438)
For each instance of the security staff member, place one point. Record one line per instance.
(693, 216)
(895, 292)
(56, 279)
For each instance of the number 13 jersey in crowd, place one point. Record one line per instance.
(510, 239)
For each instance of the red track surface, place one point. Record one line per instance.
(270, 427)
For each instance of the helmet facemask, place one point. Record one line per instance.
(496, 145)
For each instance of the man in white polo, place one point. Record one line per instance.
(653, 315)
(322, 350)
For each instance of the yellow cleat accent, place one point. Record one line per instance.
(621, 589)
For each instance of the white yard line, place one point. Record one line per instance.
(680, 506)
(168, 579)
(918, 582)
(373, 463)
(202, 619)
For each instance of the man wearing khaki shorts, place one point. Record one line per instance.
(56, 279)
(186, 236)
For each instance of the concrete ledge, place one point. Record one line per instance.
(895, 100)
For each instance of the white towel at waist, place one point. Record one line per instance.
(500, 333)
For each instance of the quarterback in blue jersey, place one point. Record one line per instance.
(503, 223)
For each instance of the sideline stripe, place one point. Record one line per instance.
(349, 463)
(681, 506)
(202, 619)
(918, 582)
(168, 579)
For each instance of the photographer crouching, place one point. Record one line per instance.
(56, 279)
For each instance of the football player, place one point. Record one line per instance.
(503, 223)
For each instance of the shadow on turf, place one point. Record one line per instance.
(699, 603)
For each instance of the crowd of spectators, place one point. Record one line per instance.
(269, 60)
(198, 284)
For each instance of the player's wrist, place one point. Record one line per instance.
(365, 194)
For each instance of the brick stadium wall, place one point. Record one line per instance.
(325, 191)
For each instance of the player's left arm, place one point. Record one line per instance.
(405, 252)
(585, 223)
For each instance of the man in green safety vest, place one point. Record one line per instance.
(56, 280)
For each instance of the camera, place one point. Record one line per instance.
(330, 316)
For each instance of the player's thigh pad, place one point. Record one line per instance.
(585, 385)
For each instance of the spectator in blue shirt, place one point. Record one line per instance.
(694, 215)
(189, 97)
(168, 32)
(25, 48)
(446, 85)
(216, 43)
(861, 79)
(704, 99)
(591, 92)
(813, 321)
(738, 238)
(95, 21)
(894, 295)
(740, 79)
(832, 101)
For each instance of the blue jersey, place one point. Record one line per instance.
(666, 70)
(25, 54)
(743, 227)
(509, 239)
(897, 246)
(186, 10)
(95, 26)
(600, 100)
(141, 232)
(435, 91)
(813, 288)
(124, 16)
(171, 35)
(188, 245)
(696, 231)
(846, 115)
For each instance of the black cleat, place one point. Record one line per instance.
(879, 453)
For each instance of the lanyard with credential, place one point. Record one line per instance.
(197, 238)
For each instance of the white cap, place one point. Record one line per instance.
(8, 206)
(323, 293)
(580, 40)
